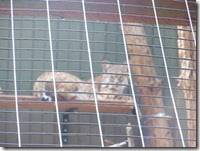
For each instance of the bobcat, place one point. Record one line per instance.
(109, 85)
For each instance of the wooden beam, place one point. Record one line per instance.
(169, 11)
(31, 102)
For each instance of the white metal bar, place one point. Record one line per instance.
(53, 75)
(167, 74)
(130, 77)
(14, 74)
(190, 20)
(92, 74)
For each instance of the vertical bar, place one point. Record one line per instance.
(92, 74)
(53, 74)
(167, 74)
(130, 78)
(190, 20)
(14, 72)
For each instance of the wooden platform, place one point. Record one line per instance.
(31, 102)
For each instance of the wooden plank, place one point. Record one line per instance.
(169, 11)
(31, 102)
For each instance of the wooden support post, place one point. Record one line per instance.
(148, 84)
(187, 55)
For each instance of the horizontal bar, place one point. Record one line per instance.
(94, 134)
(92, 124)
(92, 32)
(93, 113)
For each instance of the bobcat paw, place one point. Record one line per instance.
(46, 98)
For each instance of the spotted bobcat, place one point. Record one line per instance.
(109, 85)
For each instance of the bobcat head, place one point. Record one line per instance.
(114, 77)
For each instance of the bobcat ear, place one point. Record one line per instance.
(105, 65)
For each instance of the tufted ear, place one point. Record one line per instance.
(105, 65)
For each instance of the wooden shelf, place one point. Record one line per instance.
(31, 102)
(168, 11)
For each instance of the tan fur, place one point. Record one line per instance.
(64, 82)
(109, 85)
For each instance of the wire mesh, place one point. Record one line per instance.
(76, 106)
